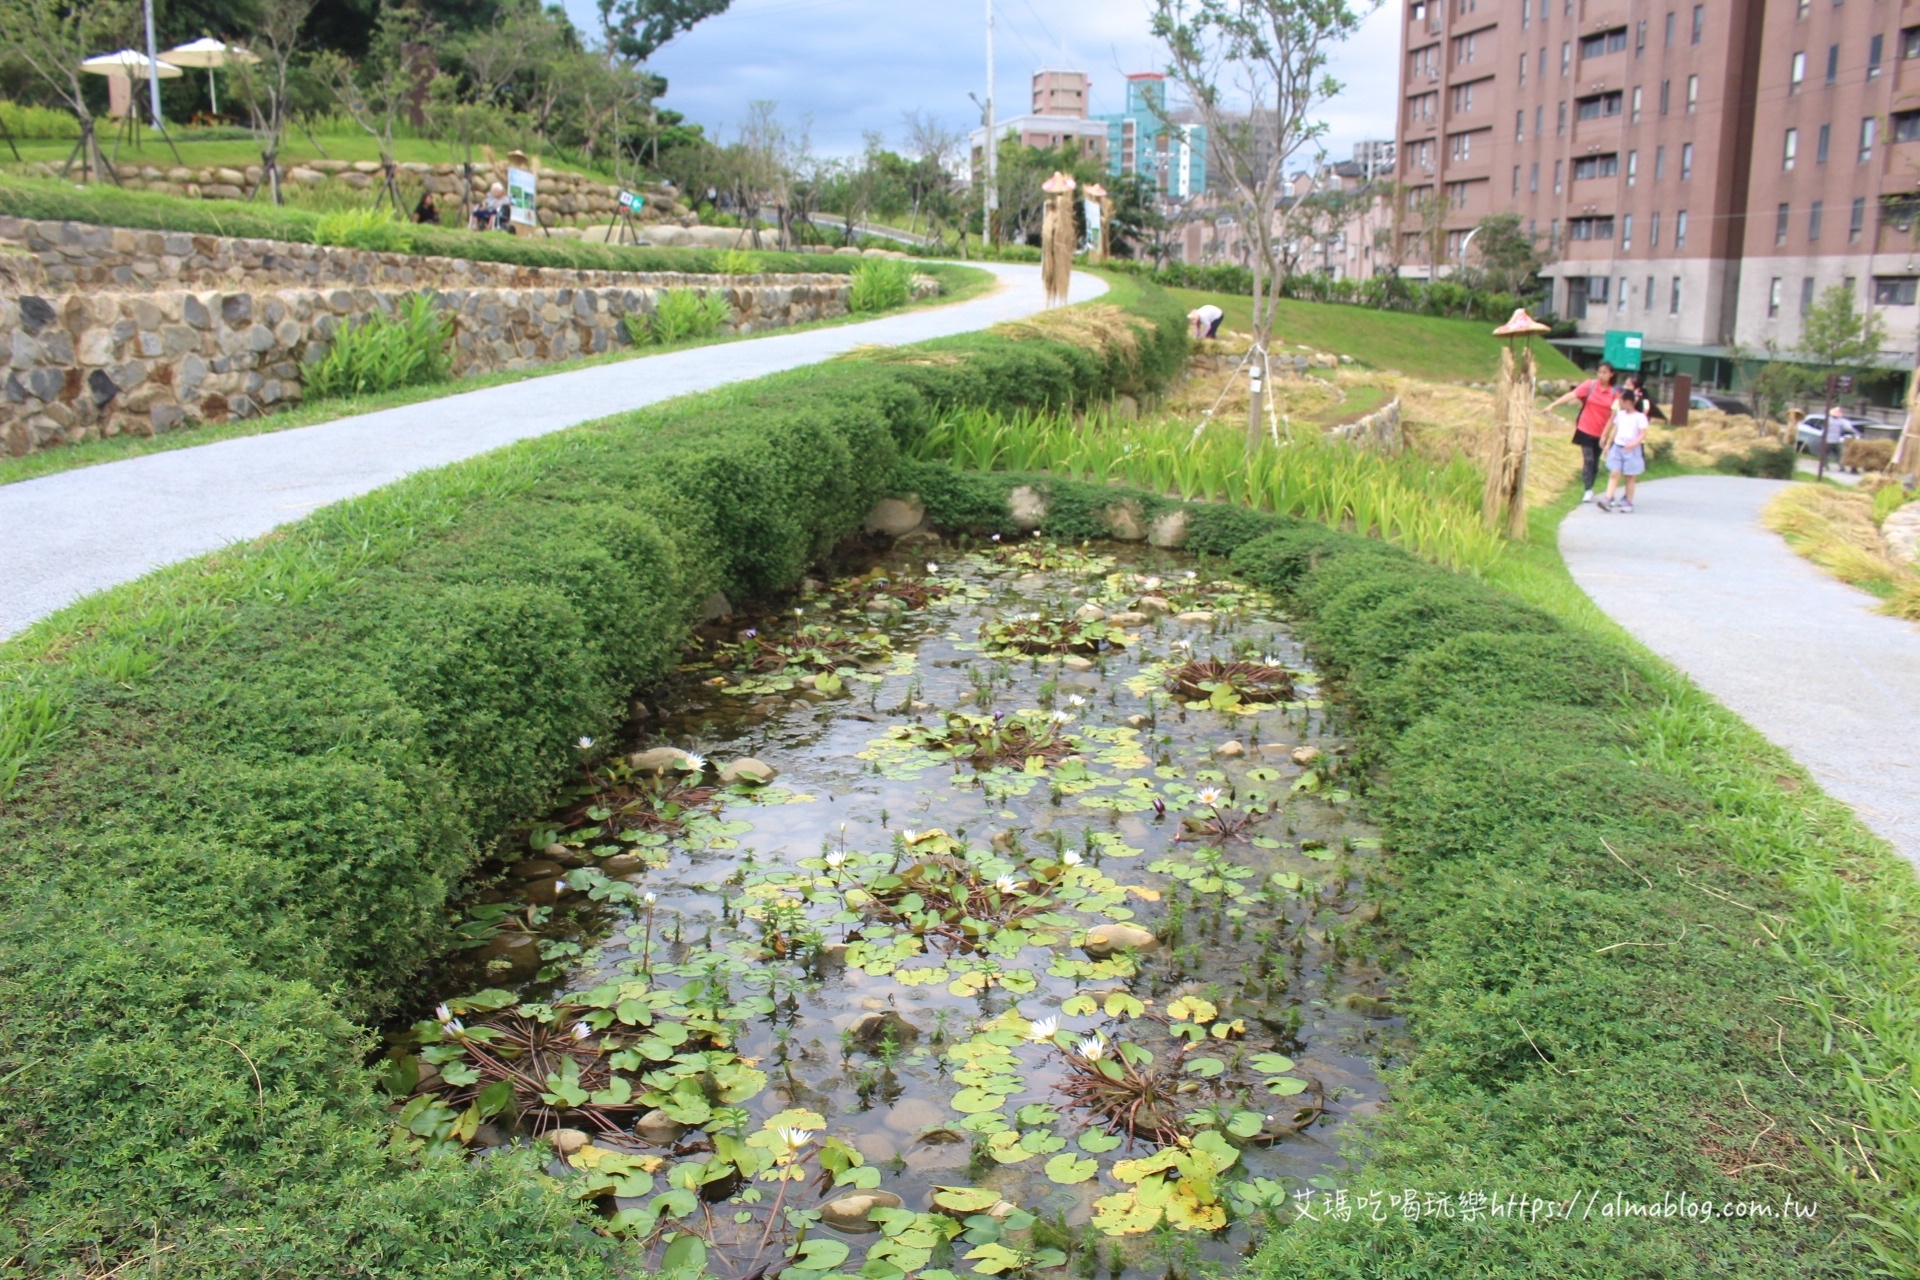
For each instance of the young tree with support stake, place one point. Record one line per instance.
(379, 89)
(1255, 71)
(263, 83)
(53, 38)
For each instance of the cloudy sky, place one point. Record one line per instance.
(856, 65)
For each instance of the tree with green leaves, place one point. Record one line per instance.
(52, 37)
(636, 29)
(1838, 337)
(1255, 72)
(274, 39)
(1508, 258)
(376, 91)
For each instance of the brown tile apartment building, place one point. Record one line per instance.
(1698, 171)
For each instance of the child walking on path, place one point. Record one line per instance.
(1596, 396)
(1624, 443)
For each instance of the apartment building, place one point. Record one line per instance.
(1169, 147)
(1699, 172)
(1059, 118)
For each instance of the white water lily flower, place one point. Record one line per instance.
(1043, 1030)
(649, 898)
(1072, 858)
(1150, 583)
(585, 743)
(455, 1026)
(932, 567)
(996, 537)
(1191, 575)
(1210, 795)
(836, 859)
(1183, 644)
(443, 1013)
(1061, 717)
(795, 1138)
(1092, 1048)
(910, 835)
(694, 763)
(1076, 701)
(1006, 884)
(581, 1031)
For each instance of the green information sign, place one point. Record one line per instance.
(1623, 349)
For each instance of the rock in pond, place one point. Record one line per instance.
(1105, 939)
(1154, 605)
(874, 1029)
(1305, 755)
(1089, 613)
(1230, 751)
(849, 1213)
(1074, 662)
(656, 759)
(536, 868)
(1128, 619)
(567, 1141)
(1195, 616)
(621, 864)
(748, 770)
(658, 1128)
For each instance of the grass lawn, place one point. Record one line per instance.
(151, 149)
(1421, 346)
(962, 284)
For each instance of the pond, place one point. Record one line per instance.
(986, 909)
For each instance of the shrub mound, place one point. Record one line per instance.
(245, 787)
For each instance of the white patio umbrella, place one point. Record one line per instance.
(209, 53)
(129, 63)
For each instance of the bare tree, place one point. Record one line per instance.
(52, 38)
(376, 92)
(263, 85)
(1254, 70)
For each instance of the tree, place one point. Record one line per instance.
(1140, 227)
(263, 84)
(375, 93)
(635, 29)
(52, 38)
(1508, 260)
(1839, 338)
(1254, 70)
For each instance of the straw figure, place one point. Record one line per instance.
(1097, 195)
(1906, 454)
(1057, 237)
(1513, 412)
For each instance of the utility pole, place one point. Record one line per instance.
(153, 68)
(990, 211)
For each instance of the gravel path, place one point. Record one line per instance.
(76, 532)
(1801, 656)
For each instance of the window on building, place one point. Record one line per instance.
(1791, 151)
(1822, 143)
(1626, 237)
(1516, 180)
(1464, 48)
(1866, 138)
(1653, 233)
(1666, 92)
(1680, 231)
(1468, 6)
(1699, 22)
(1457, 194)
(1780, 218)
(1523, 68)
(1602, 166)
(1597, 289)
(1633, 167)
(1693, 93)
(1875, 48)
(1538, 116)
(1463, 97)
(1640, 39)
(1906, 126)
(1815, 213)
(1625, 289)
(1898, 211)
(1649, 302)
(1673, 301)
(1600, 228)
(1520, 125)
(1910, 43)
(1686, 161)
(1598, 106)
(1796, 73)
(1560, 121)
(1806, 294)
(1523, 14)
(1857, 220)
(1566, 56)
(1659, 163)
(1895, 291)
(1773, 297)
(1833, 63)
(1533, 176)
(1556, 177)
(1603, 42)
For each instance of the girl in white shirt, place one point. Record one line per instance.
(1625, 448)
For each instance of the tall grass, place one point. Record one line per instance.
(382, 353)
(1430, 509)
(680, 315)
(363, 228)
(880, 284)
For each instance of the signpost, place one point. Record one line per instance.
(1838, 384)
(1622, 350)
(522, 196)
(630, 203)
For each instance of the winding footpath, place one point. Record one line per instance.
(1801, 656)
(77, 532)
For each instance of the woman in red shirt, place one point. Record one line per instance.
(1596, 396)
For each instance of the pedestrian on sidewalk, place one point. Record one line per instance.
(1625, 445)
(1596, 396)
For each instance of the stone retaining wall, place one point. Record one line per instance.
(1380, 429)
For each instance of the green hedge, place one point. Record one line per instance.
(1544, 1059)
(110, 206)
(248, 785)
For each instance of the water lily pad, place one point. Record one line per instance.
(1095, 1141)
(1067, 1169)
(973, 1101)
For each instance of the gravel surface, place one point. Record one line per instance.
(73, 533)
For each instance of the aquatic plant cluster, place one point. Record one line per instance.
(1050, 975)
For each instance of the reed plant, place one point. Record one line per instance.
(880, 284)
(382, 353)
(363, 228)
(1431, 509)
(679, 315)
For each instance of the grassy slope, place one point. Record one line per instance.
(961, 283)
(237, 153)
(1433, 347)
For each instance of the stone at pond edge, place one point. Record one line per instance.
(656, 759)
(1089, 613)
(567, 1141)
(1230, 751)
(1169, 530)
(1026, 508)
(896, 516)
(1154, 605)
(1275, 750)
(1305, 755)
(1104, 939)
(849, 1213)
(1074, 662)
(1367, 1006)
(748, 770)
(1195, 616)
(1123, 521)
(1127, 619)
(622, 863)
(658, 1128)
(872, 1030)
(913, 1116)
(536, 869)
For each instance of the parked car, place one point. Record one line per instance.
(1722, 404)
(1814, 426)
